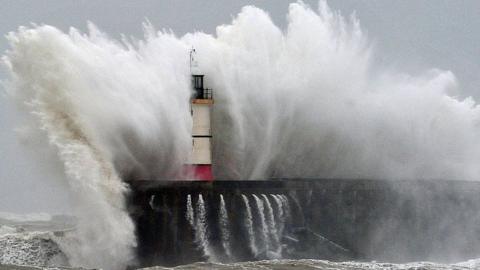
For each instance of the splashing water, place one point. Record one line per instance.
(263, 223)
(224, 231)
(249, 226)
(300, 102)
(286, 205)
(201, 230)
(284, 211)
(75, 94)
(272, 228)
(189, 215)
(280, 213)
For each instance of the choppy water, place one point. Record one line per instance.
(319, 264)
(294, 265)
(33, 248)
(23, 267)
(32, 240)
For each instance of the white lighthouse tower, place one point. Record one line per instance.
(200, 163)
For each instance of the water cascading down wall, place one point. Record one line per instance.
(179, 222)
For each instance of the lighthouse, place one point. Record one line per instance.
(201, 102)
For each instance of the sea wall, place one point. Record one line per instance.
(178, 222)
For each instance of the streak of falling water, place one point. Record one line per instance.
(224, 231)
(150, 202)
(190, 215)
(249, 226)
(270, 218)
(201, 233)
(286, 205)
(261, 214)
(281, 213)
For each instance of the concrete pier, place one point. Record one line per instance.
(335, 219)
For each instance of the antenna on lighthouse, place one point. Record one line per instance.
(193, 61)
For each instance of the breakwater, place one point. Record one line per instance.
(179, 222)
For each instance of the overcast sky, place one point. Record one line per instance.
(410, 36)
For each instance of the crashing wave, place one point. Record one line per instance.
(304, 101)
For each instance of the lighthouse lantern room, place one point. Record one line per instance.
(200, 163)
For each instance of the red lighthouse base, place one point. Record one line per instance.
(198, 172)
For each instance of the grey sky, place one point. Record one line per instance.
(410, 36)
